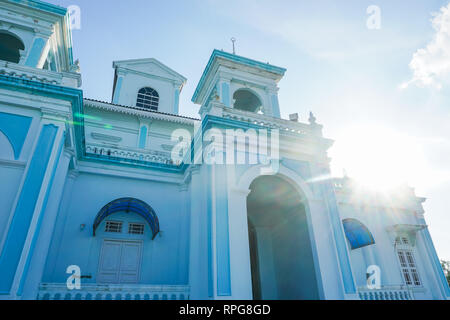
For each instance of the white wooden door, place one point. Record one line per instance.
(120, 262)
(130, 262)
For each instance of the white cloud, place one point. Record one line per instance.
(431, 65)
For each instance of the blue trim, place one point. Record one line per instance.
(42, 6)
(357, 234)
(226, 94)
(239, 59)
(23, 213)
(176, 106)
(117, 90)
(15, 128)
(143, 137)
(75, 96)
(129, 205)
(222, 233)
(41, 215)
(35, 53)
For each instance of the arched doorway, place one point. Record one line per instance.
(124, 229)
(281, 253)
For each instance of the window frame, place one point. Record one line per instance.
(407, 262)
(109, 222)
(148, 100)
(140, 224)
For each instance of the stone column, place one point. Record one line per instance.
(241, 274)
(200, 277)
(31, 281)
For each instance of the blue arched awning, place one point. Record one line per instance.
(129, 205)
(357, 234)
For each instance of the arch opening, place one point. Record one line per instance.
(10, 46)
(281, 253)
(246, 100)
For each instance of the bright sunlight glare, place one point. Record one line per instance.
(379, 158)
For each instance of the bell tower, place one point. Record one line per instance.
(147, 84)
(36, 35)
(240, 83)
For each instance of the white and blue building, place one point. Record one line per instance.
(131, 200)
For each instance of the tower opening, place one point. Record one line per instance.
(281, 254)
(246, 100)
(10, 47)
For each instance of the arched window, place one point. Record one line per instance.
(148, 98)
(10, 47)
(407, 261)
(246, 100)
(357, 234)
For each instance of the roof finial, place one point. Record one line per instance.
(312, 119)
(345, 174)
(233, 40)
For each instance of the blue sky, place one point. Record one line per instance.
(348, 75)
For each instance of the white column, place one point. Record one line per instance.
(240, 265)
(50, 215)
(198, 253)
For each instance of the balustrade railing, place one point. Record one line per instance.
(386, 293)
(113, 292)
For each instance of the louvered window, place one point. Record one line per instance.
(136, 228)
(113, 227)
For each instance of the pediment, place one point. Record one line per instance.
(149, 66)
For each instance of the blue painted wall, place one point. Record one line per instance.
(15, 128)
(143, 137)
(164, 259)
(23, 214)
(9, 184)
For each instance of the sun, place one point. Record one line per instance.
(378, 158)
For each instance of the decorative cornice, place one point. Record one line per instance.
(44, 6)
(139, 112)
(217, 54)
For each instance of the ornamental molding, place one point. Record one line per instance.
(134, 111)
(50, 113)
(105, 137)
